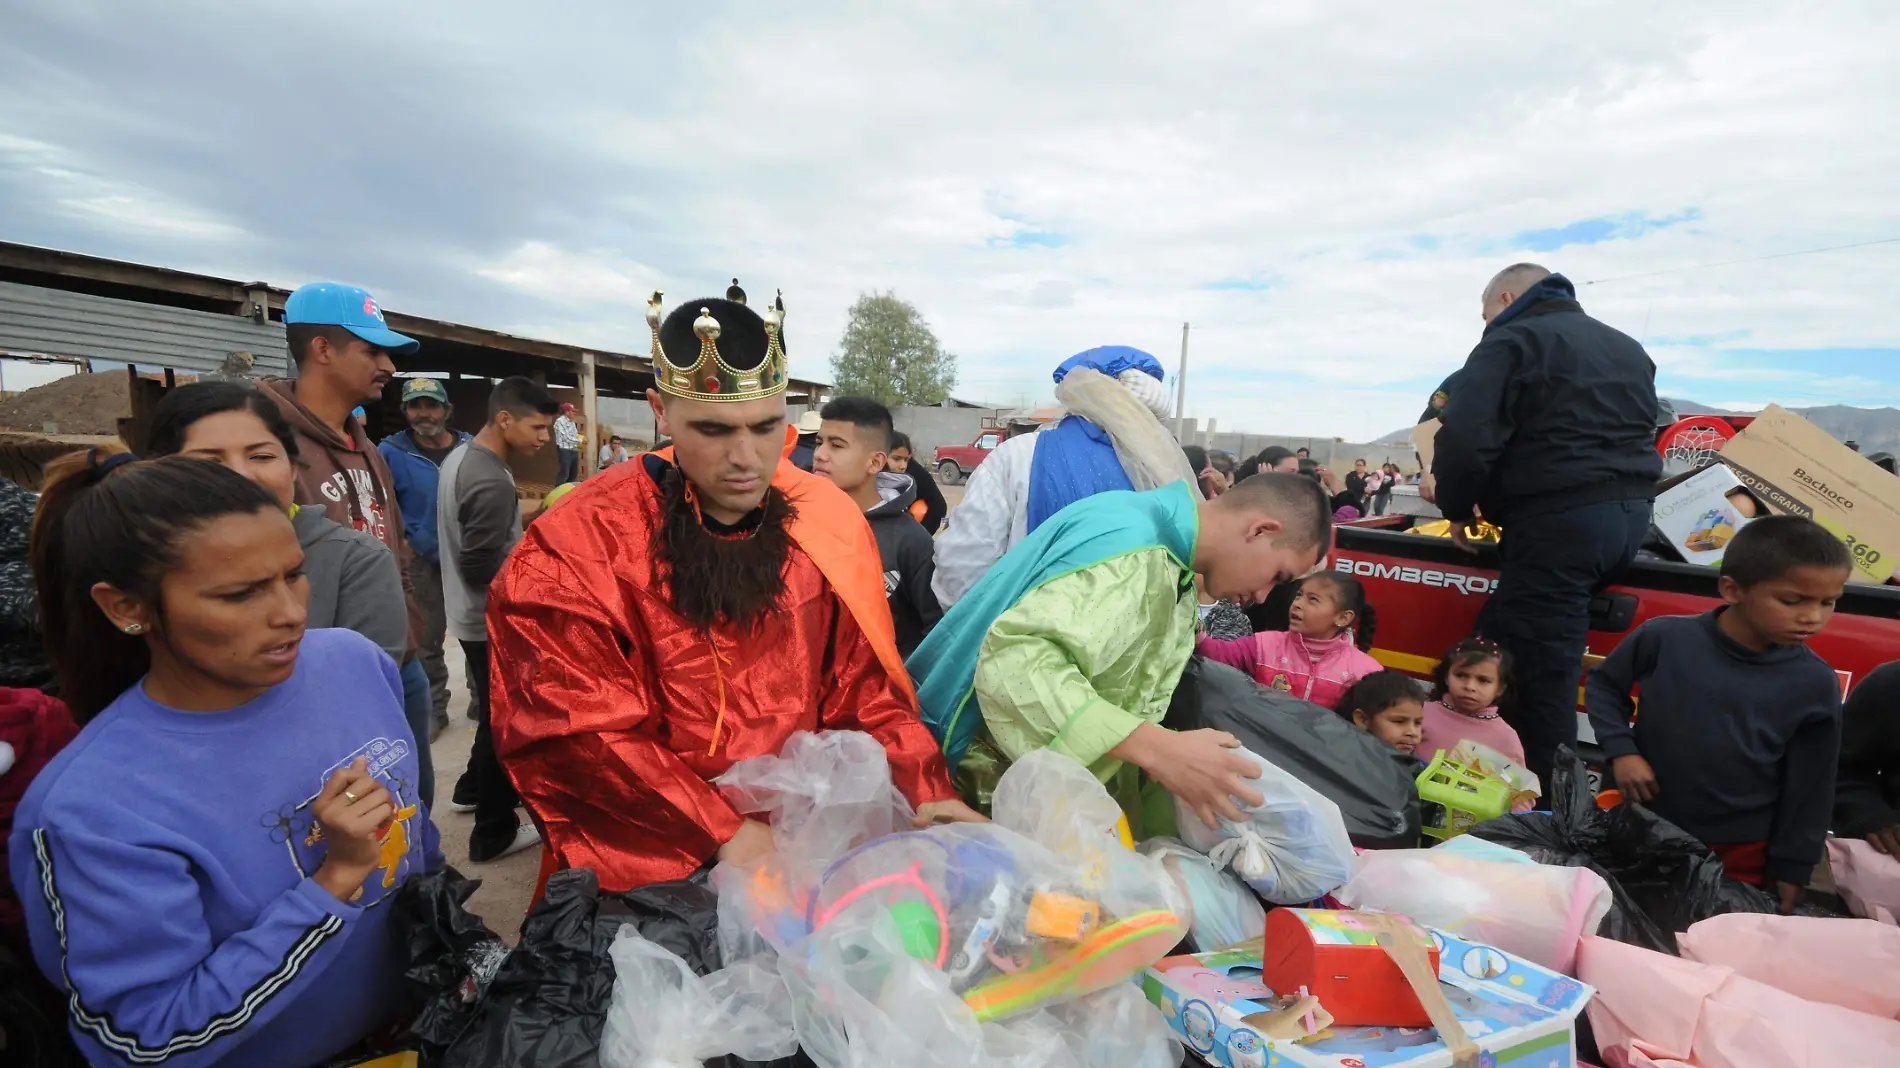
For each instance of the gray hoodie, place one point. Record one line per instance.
(354, 581)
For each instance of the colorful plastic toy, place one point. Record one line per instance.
(1457, 798)
(1337, 957)
(939, 946)
(1062, 917)
(1111, 955)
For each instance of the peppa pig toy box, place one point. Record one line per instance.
(1520, 1015)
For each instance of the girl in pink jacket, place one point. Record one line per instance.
(1319, 655)
(1468, 684)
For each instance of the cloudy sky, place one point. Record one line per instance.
(1321, 188)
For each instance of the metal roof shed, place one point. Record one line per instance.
(71, 305)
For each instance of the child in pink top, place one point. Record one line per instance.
(1318, 656)
(1471, 680)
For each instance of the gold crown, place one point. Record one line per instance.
(709, 377)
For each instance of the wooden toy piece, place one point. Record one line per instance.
(1291, 1018)
(1396, 938)
(1062, 917)
(1336, 956)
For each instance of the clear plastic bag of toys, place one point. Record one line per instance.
(919, 946)
(824, 794)
(866, 995)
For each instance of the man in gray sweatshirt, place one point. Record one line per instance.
(478, 520)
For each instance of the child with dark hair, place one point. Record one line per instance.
(1388, 706)
(1322, 652)
(1741, 722)
(854, 443)
(903, 461)
(1466, 688)
(210, 864)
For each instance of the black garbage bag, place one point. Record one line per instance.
(1661, 879)
(32, 1016)
(453, 957)
(1374, 785)
(548, 1005)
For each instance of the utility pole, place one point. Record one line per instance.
(1180, 386)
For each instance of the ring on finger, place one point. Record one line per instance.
(350, 797)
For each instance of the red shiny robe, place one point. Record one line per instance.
(605, 701)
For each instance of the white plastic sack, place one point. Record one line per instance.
(1535, 911)
(823, 793)
(664, 1016)
(1291, 849)
(1059, 804)
(1118, 1028)
(1225, 911)
(1052, 799)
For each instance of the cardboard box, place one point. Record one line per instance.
(1796, 468)
(1699, 516)
(1521, 1015)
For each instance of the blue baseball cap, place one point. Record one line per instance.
(353, 309)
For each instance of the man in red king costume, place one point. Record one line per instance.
(689, 610)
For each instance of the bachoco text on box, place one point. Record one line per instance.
(1796, 468)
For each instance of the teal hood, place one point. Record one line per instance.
(1086, 533)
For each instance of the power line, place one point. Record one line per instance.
(1751, 259)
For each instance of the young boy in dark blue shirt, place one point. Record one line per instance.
(1740, 724)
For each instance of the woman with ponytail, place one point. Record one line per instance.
(207, 866)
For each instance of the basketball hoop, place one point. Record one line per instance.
(1694, 442)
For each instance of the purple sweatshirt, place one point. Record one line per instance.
(164, 862)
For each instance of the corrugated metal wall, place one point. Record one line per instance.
(57, 323)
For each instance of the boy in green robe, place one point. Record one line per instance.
(1076, 638)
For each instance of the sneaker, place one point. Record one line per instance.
(527, 836)
(463, 800)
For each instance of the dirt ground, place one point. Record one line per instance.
(507, 884)
(76, 404)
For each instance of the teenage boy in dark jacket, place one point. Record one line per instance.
(854, 442)
(1549, 429)
(1867, 801)
(1741, 722)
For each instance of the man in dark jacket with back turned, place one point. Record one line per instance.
(1549, 430)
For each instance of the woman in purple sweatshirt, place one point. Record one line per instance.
(206, 870)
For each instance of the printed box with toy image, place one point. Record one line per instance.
(1518, 1014)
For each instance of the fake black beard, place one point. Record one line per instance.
(719, 580)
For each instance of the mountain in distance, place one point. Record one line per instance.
(1874, 429)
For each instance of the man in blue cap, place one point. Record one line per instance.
(1111, 439)
(343, 353)
(415, 459)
